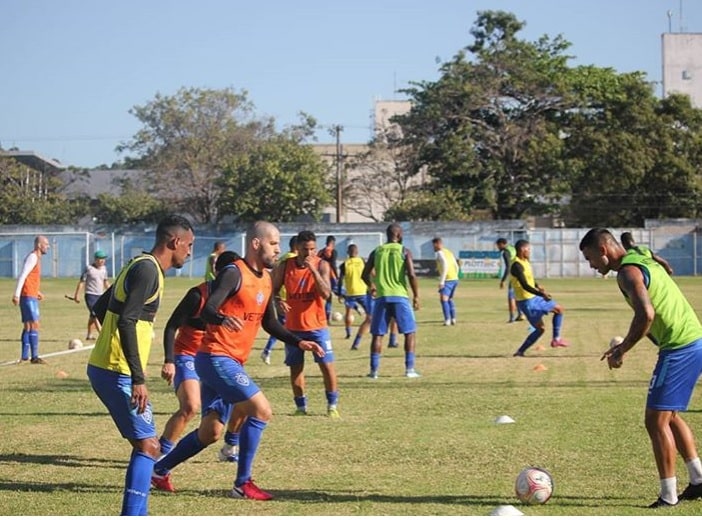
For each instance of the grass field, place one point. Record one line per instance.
(427, 446)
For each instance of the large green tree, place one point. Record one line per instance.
(486, 127)
(188, 139)
(279, 179)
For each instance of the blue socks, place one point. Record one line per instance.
(166, 445)
(374, 361)
(446, 309)
(251, 433)
(332, 398)
(24, 339)
(409, 360)
(189, 446)
(452, 309)
(34, 343)
(232, 438)
(530, 340)
(301, 402)
(557, 323)
(269, 345)
(393, 339)
(137, 485)
(356, 342)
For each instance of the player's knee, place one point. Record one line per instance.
(150, 447)
(189, 411)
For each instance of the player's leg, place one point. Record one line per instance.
(187, 384)
(295, 360)
(452, 304)
(407, 324)
(349, 306)
(327, 368)
(29, 308)
(364, 327)
(378, 329)
(557, 310)
(536, 320)
(230, 450)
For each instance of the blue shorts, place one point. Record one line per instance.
(352, 301)
(115, 392)
(29, 308)
(223, 383)
(184, 369)
(294, 355)
(387, 307)
(449, 288)
(535, 308)
(674, 377)
(90, 301)
(510, 292)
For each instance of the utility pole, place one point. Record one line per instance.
(339, 158)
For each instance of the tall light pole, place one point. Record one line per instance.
(339, 157)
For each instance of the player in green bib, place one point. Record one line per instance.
(628, 242)
(663, 314)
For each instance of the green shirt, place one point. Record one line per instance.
(675, 324)
(390, 274)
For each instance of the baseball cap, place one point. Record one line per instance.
(100, 254)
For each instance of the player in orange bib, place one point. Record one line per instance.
(239, 304)
(307, 286)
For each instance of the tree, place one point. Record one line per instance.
(132, 206)
(279, 179)
(31, 197)
(487, 128)
(187, 140)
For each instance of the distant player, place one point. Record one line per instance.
(217, 249)
(27, 295)
(533, 301)
(329, 254)
(95, 281)
(353, 291)
(508, 253)
(629, 244)
(447, 266)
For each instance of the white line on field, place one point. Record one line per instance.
(52, 354)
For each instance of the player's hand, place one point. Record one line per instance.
(415, 303)
(312, 346)
(233, 323)
(140, 398)
(283, 306)
(441, 286)
(15, 300)
(168, 372)
(76, 299)
(308, 262)
(502, 284)
(614, 357)
(40, 296)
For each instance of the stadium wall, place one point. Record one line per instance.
(555, 252)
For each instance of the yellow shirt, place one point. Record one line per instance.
(519, 292)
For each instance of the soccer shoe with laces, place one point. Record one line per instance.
(661, 503)
(162, 482)
(249, 490)
(38, 361)
(266, 358)
(333, 413)
(691, 492)
(559, 342)
(228, 453)
(412, 373)
(373, 374)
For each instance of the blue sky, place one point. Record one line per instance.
(72, 69)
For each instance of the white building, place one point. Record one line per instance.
(682, 65)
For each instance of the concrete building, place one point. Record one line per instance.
(682, 65)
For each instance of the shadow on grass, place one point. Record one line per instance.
(41, 487)
(71, 461)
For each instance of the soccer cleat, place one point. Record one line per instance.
(518, 354)
(354, 347)
(228, 453)
(266, 357)
(412, 373)
(300, 411)
(162, 482)
(249, 490)
(661, 503)
(38, 361)
(373, 374)
(453, 321)
(691, 492)
(559, 342)
(393, 345)
(333, 413)
(520, 318)
(447, 323)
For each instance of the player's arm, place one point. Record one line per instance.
(340, 281)
(278, 279)
(321, 277)
(227, 283)
(81, 284)
(332, 264)
(631, 281)
(505, 274)
(141, 284)
(412, 277)
(273, 327)
(441, 261)
(366, 274)
(664, 263)
(29, 264)
(517, 270)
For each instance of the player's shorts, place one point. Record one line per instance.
(535, 308)
(223, 383)
(184, 370)
(352, 302)
(510, 292)
(115, 392)
(674, 377)
(449, 288)
(387, 307)
(90, 301)
(294, 355)
(29, 308)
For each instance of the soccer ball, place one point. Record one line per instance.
(336, 316)
(74, 344)
(533, 486)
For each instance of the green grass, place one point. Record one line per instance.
(403, 447)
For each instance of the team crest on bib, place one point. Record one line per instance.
(259, 297)
(242, 380)
(189, 365)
